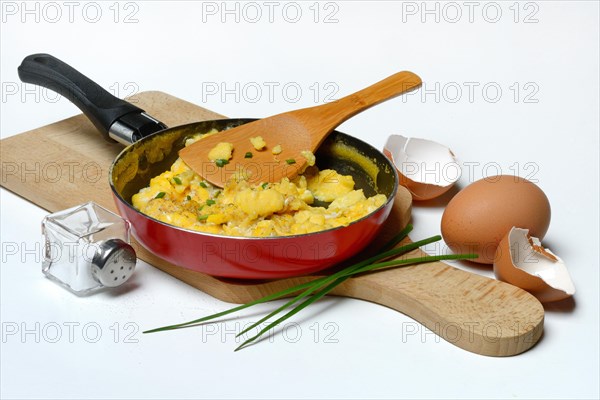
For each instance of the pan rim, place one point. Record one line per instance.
(389, 199)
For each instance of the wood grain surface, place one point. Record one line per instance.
(66, 163)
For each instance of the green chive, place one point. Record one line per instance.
(318, 288)
(394, 241)
(290, 161)
(210, 202)
(160, 195)
(221, 162)
(177, 180)
(264, 185)
(332, 285)
(203, 185)
(217, 194)
(382, 255)
(202, 217)
(201, 207)
(248, 155)
(188, 197)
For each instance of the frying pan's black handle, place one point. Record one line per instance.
(115, 118)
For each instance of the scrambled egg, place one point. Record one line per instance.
(182, 198)
(258, 143)
(277, 149)
(221, 151)
(310, 157)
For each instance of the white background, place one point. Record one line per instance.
(543, 124)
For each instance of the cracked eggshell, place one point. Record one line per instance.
(427, 169)
(522, 261)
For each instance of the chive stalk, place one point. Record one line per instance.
(274, 296)
(347, 272)
(319, 287)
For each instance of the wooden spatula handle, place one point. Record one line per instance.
(386, 89)
(334, 113)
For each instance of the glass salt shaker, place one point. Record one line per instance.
(86, 248)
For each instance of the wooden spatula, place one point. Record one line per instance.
(293, 132)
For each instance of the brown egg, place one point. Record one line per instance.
(522, 261)
(480, 215)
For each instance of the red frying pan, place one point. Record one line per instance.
(217, 255)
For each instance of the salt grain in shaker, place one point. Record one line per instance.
(86, 248)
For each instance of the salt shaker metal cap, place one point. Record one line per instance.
(113, 263)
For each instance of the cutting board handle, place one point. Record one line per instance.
(101, 107)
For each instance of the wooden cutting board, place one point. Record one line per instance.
(66, 163)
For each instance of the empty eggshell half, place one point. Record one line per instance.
(426, 168)
(522, 261)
